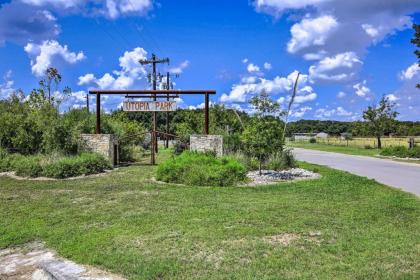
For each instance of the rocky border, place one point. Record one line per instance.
(269, 177)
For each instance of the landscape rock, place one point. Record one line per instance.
(272, 176)
(34, 262)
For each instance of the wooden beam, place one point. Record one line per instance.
(98, 113)
(206, 114)
(152, 92)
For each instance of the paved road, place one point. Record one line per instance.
(405, 176)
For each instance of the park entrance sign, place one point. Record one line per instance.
(159, 101)
(149, 106)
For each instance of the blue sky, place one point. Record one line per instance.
(349, 53)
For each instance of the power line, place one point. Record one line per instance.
(149, 33)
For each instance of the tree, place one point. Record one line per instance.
(381, 118)
(49, 84)
(264, 105)
(416, 41)
(262, 136)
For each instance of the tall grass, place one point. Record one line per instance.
(54, 166)
(201, 169)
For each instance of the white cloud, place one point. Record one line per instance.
(342, 112)
(180, 68)
(337, 26)
(250, 86)
(129, 62)
(370, 30)
(267, 66)
(86, 79)
(341, 67)
(245, 60)
(392, 97)
(311, 32)
(326, 113)
(410, 72)
(315, 56)
(57, 3)
(300, 112)
(6, 88)
(45, 55)
(109, 8)
(129, 73)
(305, 98)
(341, 94)
(253, 68)
(361, 89)
(407, 94)
(276, 7)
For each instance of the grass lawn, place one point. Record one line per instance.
(335, 149)
(338, 227)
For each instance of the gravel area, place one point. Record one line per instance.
(271, 176)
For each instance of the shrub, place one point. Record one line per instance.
(368, 147)
(54, 166)
(312, 140)
(401, 151)
(29, 166)
(84, 164)
(202, 169)
(284, 160)
(249, 162)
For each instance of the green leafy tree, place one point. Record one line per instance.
(381, 118)
(416, 41)
(264, 105)
(262, 135)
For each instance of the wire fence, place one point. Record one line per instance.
(363, 142)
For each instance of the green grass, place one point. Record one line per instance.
(124, 222)
(335, 149)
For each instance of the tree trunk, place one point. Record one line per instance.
(260, 167)
(379, 142)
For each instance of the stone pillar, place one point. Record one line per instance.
(104, 144)
(205, 143)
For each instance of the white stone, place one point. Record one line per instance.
(206, 143)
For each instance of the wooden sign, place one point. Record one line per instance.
(149, 106)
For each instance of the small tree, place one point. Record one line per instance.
(262, 136)
(381, 118)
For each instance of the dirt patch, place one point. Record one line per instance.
(34, 261)
(287, 239)
(284, 239)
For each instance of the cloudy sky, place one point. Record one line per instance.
(349, 53)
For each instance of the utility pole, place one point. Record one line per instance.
(168, 87)
(154, 60)
(87, 102)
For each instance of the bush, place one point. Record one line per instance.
(201, 169)
(368, 147)
(284, 160)
(85, 164)
(249, 162)
(61, 167)
(312, 140)
(29, 166)
(401, 151)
